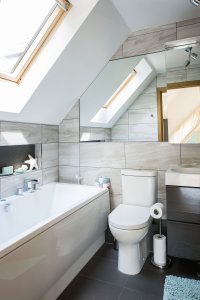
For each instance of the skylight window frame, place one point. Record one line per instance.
(120, 89)
(43, 33)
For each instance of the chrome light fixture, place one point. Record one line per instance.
(192, 55)
(195, 2)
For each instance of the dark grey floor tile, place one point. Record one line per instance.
(182, 267)
(106, 270)
(149, 266)
(100, 279)
(128, 294)
(108, 252)
(90, 289)
(147, 281)
(108, 236)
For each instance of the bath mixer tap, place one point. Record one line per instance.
(31, 185)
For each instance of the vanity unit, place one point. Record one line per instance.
(183, 211)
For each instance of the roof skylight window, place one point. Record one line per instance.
(24, 26)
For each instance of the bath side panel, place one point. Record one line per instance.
(28, 272)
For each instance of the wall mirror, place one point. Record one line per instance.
(152, 97)
(183, 93)
(121, 103)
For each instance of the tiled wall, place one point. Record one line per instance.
(153, 39)
(46, 139)
(91, 160)
(139, 122)
(94, 159)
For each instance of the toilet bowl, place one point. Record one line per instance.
(130, 221)
(130, 225)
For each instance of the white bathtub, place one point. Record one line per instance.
(47, 237)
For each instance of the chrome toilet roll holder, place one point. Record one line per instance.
(168, 259)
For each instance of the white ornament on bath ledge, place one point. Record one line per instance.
(32, 162)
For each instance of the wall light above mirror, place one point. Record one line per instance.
(145, 98)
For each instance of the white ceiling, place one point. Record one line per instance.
(140, 14)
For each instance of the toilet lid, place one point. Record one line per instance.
(129, 217)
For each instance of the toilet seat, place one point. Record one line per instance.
(130, 217)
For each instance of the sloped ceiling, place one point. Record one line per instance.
(87, 51)
(93, 32)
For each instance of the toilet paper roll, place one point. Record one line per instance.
(157, 210)
(159, 249)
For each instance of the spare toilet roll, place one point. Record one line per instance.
(159, 249)
(157, 210)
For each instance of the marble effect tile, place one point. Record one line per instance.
(50, 175)
(102, 155)
(158, 156)
(68, 174)
(49, 155)
(50, 134)
(69, 131)
(69, 154)
(20, 133)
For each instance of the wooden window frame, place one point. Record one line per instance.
(160, 91)
(46, 33)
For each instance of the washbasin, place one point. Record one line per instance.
(183, 175)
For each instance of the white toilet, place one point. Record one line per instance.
(130, 221)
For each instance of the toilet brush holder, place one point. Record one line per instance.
(160, 259)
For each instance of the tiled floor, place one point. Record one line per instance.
(100, 279)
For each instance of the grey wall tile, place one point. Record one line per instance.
(115, 200)
(143, 132)
(97, 134)
(90, 174)
(154, 29)
(190, 153)
(176, 75)
(37, 174)
(38, 155)
(158, 156)
(49, 155)
(118, 54)
(145, 101)
(69, 131)
(193, 73)
(161, 81)
(68, 174)
(188, 22)
(20, 133)
(119, 132)
(73, 113)
(161, 185)
(49, 134)
(102, 155)
(143, 116)
(188, 31)
(107, 132)
(50, 175)
(148, 42)
(123, 120)
(84, 133)
(9, 185)
(69, 154)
